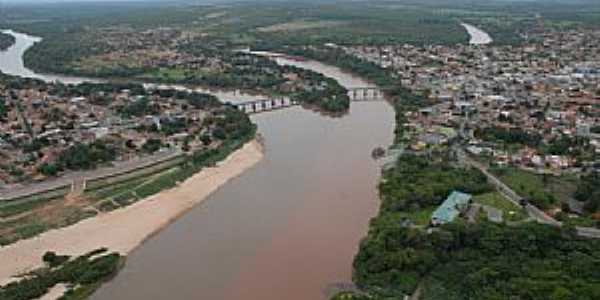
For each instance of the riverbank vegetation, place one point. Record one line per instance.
(81, 275)
(414, 184)
(235, 131)
(180, 60)
(483, 261)
(403, 99)
(6, 40)
(479, 260)
(26, 219)
(398, 257)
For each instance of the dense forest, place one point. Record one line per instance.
(484, 261)
(466, 261)
(415, 183)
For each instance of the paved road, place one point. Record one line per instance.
(9, 193)
(533, 212)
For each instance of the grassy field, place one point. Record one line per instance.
(528, 185)
(544, 191)
(11, 208)
(511, 212)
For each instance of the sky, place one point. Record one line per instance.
(209, 1)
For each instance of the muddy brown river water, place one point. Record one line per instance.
(287, 228)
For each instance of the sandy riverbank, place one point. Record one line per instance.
(124, 229)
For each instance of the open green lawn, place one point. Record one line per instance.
(544, 191)
(511, 211)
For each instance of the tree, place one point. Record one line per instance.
(48, 169)
(587, 191)
(152, 145)
(86, 156)
(54, 260)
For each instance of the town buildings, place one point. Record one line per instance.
(535, 105)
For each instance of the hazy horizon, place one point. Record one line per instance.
(220, 1)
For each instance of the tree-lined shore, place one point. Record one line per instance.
(459, 260)
(6, 40)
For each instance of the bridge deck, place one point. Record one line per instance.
(369, 93)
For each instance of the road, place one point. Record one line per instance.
(535, 213)
(9, 193)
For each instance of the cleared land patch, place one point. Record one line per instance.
(511, 212)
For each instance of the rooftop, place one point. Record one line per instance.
(450, 208)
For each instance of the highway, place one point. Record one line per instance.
(14, 192)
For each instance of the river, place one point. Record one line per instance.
(287, 228)
(11, 61)
(478, 36)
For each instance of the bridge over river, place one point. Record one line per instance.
(305, 202)
(263, 105)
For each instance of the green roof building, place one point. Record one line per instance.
(450, 208)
